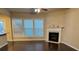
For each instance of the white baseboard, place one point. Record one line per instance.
(28, 40)
(3, 45)
(71, 46)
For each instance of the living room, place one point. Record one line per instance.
(19, 31)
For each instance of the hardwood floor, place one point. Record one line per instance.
(36, 46)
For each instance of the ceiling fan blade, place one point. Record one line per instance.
(44, 9)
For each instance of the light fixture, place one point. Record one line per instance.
(37, 10)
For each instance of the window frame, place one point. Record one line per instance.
(24, 28)
(13, 28)
(33, 36)
(34, 28)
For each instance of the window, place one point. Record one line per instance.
(1, 27)
(17, 27)
(38, 27)
(28, 27)
(33, 28)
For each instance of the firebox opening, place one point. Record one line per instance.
(53, 36)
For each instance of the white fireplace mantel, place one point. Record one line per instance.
(58, 30)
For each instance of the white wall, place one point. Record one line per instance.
(71, 31)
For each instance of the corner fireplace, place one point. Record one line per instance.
(53, 36)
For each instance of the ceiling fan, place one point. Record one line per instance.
(38, 10)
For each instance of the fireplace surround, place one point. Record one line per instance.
(54, 35)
